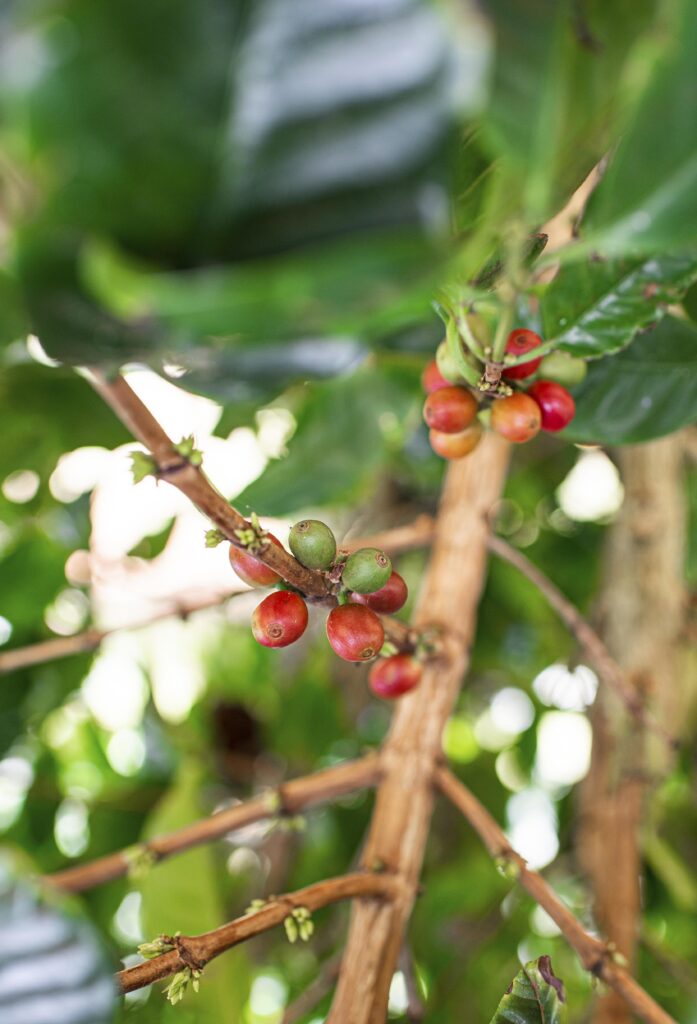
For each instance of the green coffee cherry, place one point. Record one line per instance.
(366, 570)
(446, 365)
(563, 369)
(313, 544)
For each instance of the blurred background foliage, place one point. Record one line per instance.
(261, 206)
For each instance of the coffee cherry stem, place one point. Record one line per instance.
(541, 350)
(453, 341)
(466, 334)
(503, 329)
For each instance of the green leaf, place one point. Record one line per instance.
(646, 391)
(647, 200)
(293, 131)
(345, 429)
(183, 894)
(535, 996)
(595, 308)
(557, 95)
(52, 964)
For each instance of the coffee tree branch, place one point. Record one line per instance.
(91, 639)
(594, 954)
(191, 481)
(402, 815)
(198, 950)
(403, 538)
(290, 798)
(608, 669)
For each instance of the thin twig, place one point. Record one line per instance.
(315, 991)
(403, 538)
(419, 533)
(192, 482)
(289, 798)
(608, 669)
(415, 1011)
(595, 955)
(91, 639)
(198, 950)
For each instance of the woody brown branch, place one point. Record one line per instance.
(192, 482)
(608, 669)
(201, 949)
(594, 954)
(290, 798)
(401, 820)
(419, 533)
(402, 538)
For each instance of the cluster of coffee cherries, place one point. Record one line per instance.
(456, 418)
(365, 585)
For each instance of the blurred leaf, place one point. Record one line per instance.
(557, 97)
(53, 969)
(153, 544)
(646, 391)
(13, 319)
(535, 996)
(31, 573)
(297, 130)
(595, 308)
(183, 894)
(647, 199)
(51, 411)
(339, 445)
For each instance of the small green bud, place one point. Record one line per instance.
(160, 945)
(186, 448)
(507, 867)
(446, 364)
(140, 860)
(313, 544)
(291, 928)
(366, 570)
(174, 991)
(255, 905)
(562, 368)
(214, 537)
(142, 465)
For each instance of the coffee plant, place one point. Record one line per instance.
(306, 309)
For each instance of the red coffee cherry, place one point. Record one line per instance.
(517, 418)
(280, 619)
(391, 677)
(456, 446)
(519, 342)
(250, 569)
(450, 409)
(354, 632)
(432, 379)
(387, 599)
(556, 404)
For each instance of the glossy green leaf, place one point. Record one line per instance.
(325, 131)
(647, 200)
(53, 968)
(646, 391)
(557, 95)
(345, 428)
(183, 894)
(535, 996)
(595, 308)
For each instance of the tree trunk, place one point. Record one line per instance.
(399, 829)
(642, 613)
